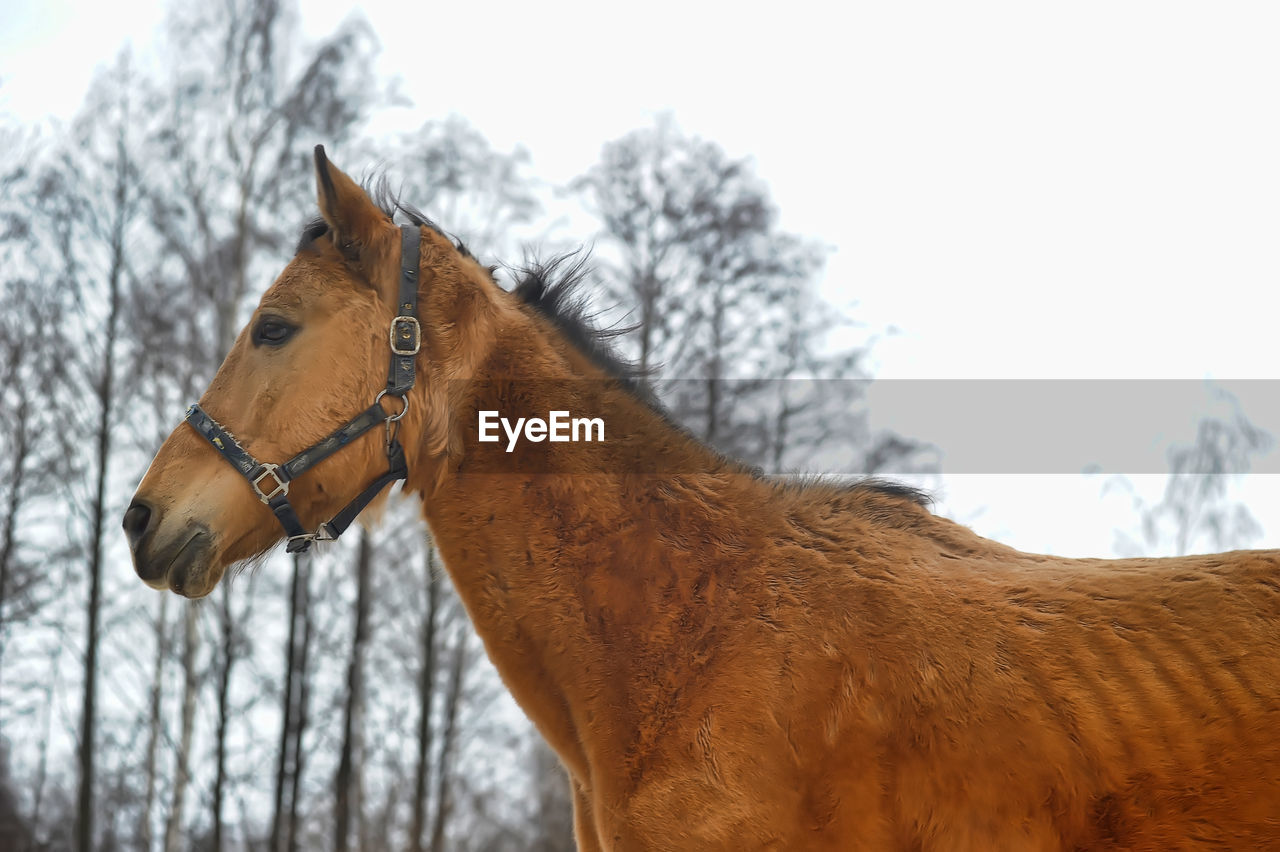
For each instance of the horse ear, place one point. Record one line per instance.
(353, 218)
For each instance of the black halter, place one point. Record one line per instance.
(406, 339)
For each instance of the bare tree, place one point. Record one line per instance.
(154, 718)
(725, 300)
(284, 827)
(227, 625)
(15, 832)
(449, 736)
(303, 687)
(90, 208)
(484, 196)
(347, 782)
(33, 463)
(246, 128)
(426, 692)
(638, 191)
(1195, 511)
(182, 771)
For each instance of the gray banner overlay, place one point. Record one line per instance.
(1069, 426)
(852, 427)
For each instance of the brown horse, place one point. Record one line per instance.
(721, 660)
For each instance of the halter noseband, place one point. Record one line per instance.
(270, 482)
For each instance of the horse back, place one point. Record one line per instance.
(1054, 703)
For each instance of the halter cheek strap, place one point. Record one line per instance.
(270, 482)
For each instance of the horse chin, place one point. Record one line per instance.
(186, 564)
(202, 561)
(194, 576)
(196, 580)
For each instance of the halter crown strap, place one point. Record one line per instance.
(406, 331)
(270, 482)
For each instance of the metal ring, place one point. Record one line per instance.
(377, 400)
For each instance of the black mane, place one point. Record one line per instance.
(554, 290)
(889, 488)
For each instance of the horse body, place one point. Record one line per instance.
(721, 660)
(808, 668)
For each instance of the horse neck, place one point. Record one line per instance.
(554, 566)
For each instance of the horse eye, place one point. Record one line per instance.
(272, 331)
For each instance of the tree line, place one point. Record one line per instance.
(339, 700)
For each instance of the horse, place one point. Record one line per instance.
(720, 659)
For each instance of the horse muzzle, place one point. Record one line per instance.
(178, 560)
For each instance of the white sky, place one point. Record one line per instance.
(1025, 190)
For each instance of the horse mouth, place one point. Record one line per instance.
(186, 568)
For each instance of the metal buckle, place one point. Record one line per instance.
(299, 543)
(406, 328)
(281, 487)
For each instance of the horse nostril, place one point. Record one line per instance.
(136, 518)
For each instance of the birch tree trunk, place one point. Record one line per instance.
(106, 399)
(288, 767)
(449, 738)
(182, 771)
(304, 693)
(155, 718)
(347, 783)
(426, 690)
